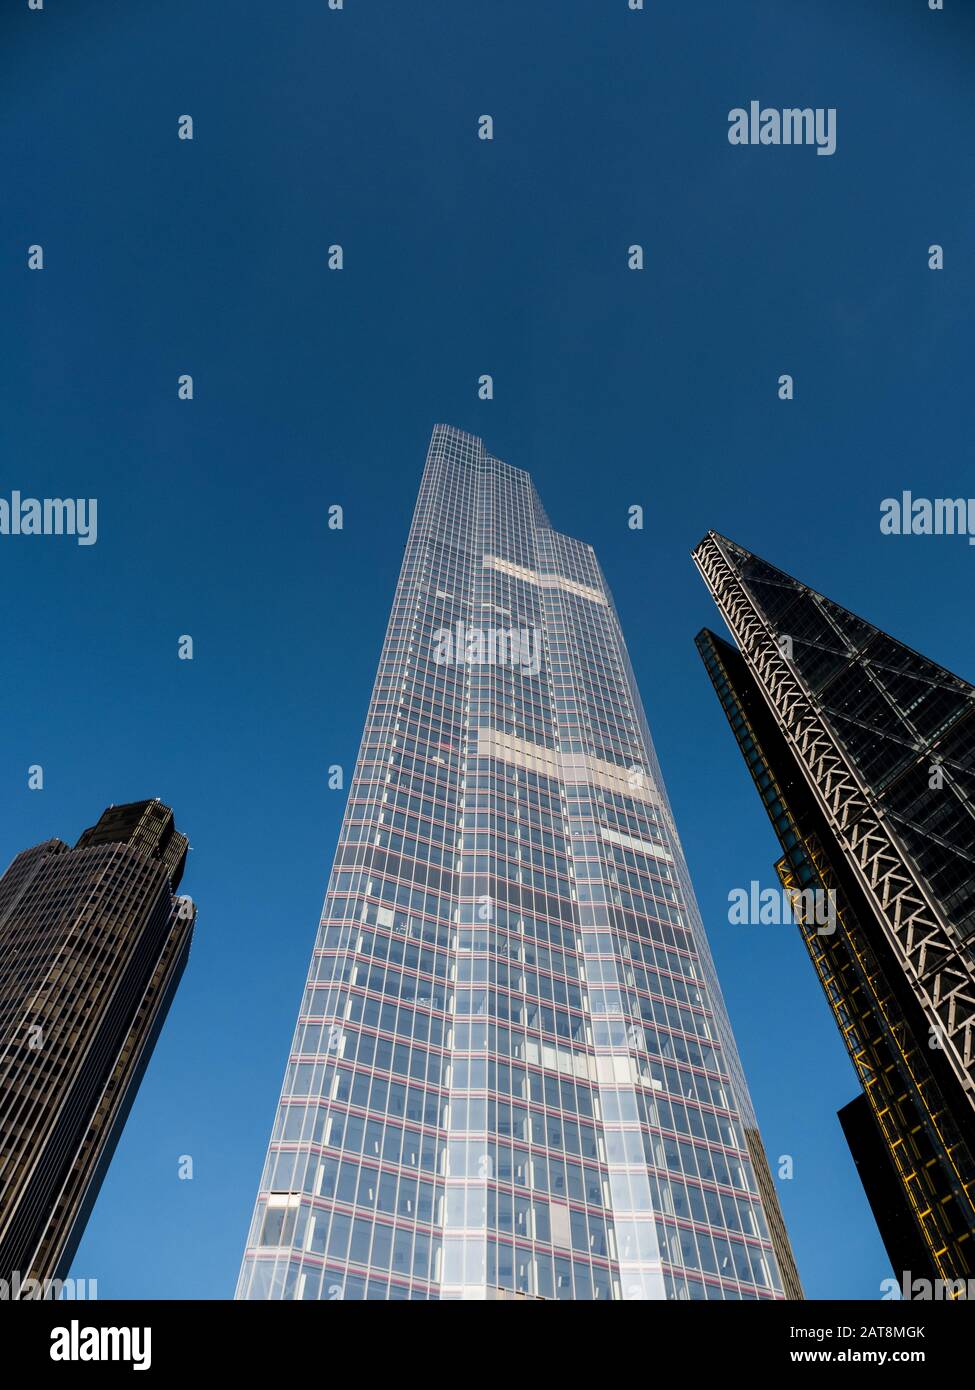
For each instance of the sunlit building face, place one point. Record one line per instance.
(512, 1073)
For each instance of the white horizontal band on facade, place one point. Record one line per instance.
(568, 767)
(544, 581)
(641, 846)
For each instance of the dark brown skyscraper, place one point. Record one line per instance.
(93, 942)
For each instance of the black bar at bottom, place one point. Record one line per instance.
(288, 1339)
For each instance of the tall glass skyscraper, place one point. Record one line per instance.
(512, 1074)
(863, 752)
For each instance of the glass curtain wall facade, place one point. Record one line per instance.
(863, 753)
(512, 1073)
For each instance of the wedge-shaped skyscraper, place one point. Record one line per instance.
(863, 753)
(512, 1074)
(93, 943)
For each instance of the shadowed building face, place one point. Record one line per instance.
(93, 943)
(863, 752)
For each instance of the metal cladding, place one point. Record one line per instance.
(863, 752)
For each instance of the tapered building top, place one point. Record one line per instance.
(148, 827)
(895, 714)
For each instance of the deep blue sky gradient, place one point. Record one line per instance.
(612, 387)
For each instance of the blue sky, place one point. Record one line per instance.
(313, 387)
